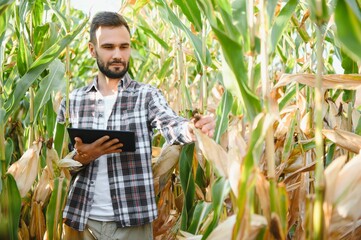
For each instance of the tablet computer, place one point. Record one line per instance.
(91, 135)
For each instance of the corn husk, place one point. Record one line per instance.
(44, 187)
(347, 193)
(26, 168)
(23, 233)
(166, 160)
(37, 221)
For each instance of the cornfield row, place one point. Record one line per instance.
(282, 77)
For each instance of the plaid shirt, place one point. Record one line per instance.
(139, 108)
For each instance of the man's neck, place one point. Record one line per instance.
(107, 86)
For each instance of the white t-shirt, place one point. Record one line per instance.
(102, 208)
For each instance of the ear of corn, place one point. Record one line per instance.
(25, 170)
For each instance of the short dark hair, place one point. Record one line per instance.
(108, 19)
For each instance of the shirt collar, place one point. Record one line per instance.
(123, 83)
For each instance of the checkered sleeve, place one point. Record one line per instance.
(61, 112)
(173, 127)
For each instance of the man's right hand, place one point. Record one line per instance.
(86, 153)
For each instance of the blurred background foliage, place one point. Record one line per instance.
(281, 77)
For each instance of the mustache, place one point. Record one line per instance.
(118, 61)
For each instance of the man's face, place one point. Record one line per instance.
(112, 51)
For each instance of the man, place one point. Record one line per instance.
(112, 195)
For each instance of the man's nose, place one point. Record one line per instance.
(117, 53)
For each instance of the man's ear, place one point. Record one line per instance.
(91, 48)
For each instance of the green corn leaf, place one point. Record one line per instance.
(187, 182)
(239, 13)
(281, 22)
(59, 138)
(62, 19)
(271, 7)
(348, 23)
(220, 191)
(201, 211)
(2, 116)
(4, 4)
(330, 154)
(225, 6)
(191, 11)
(234, 57)
(249, 162)
(139, 5)
(4, 19)
(196, 41)
(50, 116)
(37, 12)
(55, 207)
(151, 34)
(24, 59)
(10, 208)
(37, 68)
(164, 71)
(223, 110)
(44, 37)
(54, 81)
(289, 139)
(9, 149)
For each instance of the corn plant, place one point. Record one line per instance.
(34, 36)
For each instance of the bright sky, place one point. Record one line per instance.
(94, 6)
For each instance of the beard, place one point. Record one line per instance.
(104, 68)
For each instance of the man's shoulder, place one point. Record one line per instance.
(79, 92)
(140, 86)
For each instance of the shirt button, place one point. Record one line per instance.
(100, 115)
(100, 101)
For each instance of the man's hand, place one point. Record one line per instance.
(86, 153)
(205, 123)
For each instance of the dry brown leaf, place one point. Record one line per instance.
(344, 139)
(343, 228)
(156, 151)
(213, 152)
(347, 195)
(307, 168)
(276, 226)
(26, 168)
(224, 229)
(334, 81)
(235, 139)
(234, 171)
(331, 176)
(167, 160)
(332, 117)
(284, 125)
(305, 124)
(188, 236)
(262, 189)
(355, 117)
